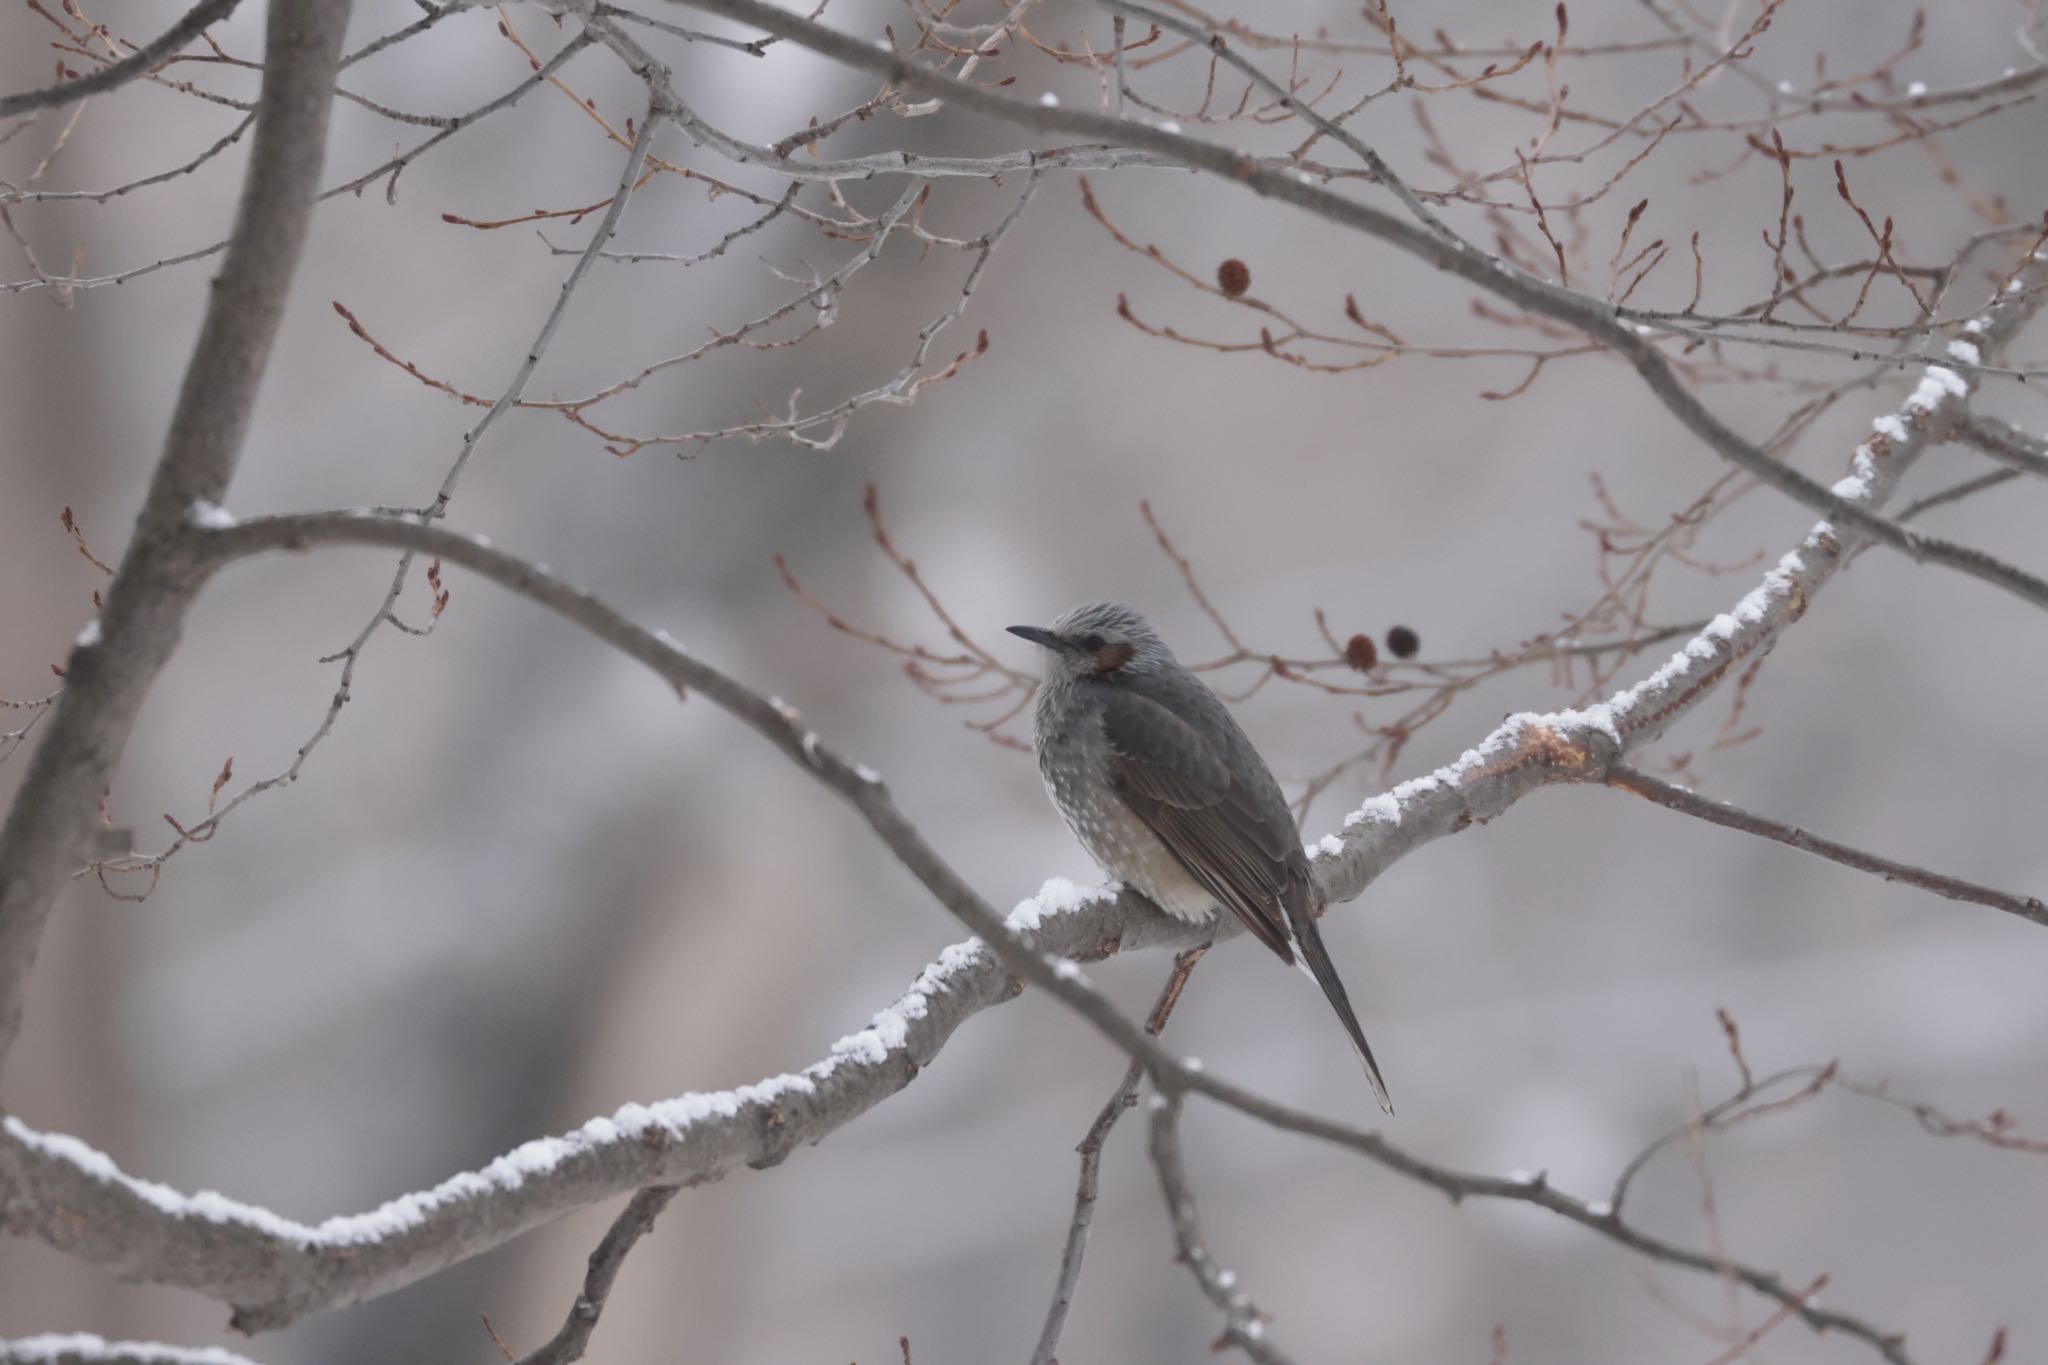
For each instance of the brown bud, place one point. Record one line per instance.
(1233, 277)
(1361, 653)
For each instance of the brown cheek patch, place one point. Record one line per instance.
(1111, 657)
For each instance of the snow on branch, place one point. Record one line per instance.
(275, 1269)
(83, 1348)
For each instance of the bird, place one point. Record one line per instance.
(1169, 796)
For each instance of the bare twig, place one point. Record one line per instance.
(1731, 817)
(1090, 1150)
(1243, 1325)
(2004, 442)
(49, 822)
(350, 655)
(1446, 252)
(633, 1223)
(139, 63)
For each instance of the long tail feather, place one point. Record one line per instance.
(1314, 960)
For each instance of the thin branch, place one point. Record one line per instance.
(1449, 254)
(1243, 1325)
(350, 655)
(1732, 817)
(1215, 41)
(1956, 492)
(139, 63)
(48, 826)
(1090, 1151)
(2004, 442)
(1740, 1350)
(635, 1221)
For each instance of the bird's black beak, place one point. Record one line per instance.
(1038, 635)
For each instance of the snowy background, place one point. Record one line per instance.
(521, 885)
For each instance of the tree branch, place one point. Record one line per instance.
(635, 1221)
(2005, 443)
(1243, 1325)
(1732, 817)
(276, 1270)
(138, 63)
(50, 820)
(82, 1348)
(1450, 254)
(1090, 1150)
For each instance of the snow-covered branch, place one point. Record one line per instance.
(83, 1348)
(275, 1270)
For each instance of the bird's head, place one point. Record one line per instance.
(1100, 640)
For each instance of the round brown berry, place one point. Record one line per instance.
(1233, 277)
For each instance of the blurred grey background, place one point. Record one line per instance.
(522, 885)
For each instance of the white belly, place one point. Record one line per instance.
(1070, 760)
(1125, 849)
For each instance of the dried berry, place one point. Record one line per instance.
(1233, 277)
(1361, 653)
(1403, 642)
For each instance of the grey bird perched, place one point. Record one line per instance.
(1165, 791)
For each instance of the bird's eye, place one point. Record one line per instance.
(1091, 643)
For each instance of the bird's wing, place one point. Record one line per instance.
(1238, 841)
(1230, 842)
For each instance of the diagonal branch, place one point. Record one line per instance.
(2005, 443)
(137, 63)
(1732, 817)
(1217, 43)
(48, 824)
(1453, 255)
(635, 1221)
(1090, 1150)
